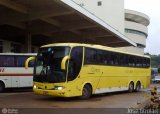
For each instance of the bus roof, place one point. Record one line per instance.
(31, 54)
(94, 46)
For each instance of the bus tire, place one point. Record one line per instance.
(138, 86)
(131, 87)
(86, 92)
(2, 86)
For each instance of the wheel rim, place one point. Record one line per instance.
(85, 92)
(138, 87)
(131, 87)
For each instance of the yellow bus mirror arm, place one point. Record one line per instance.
(63, 63)
(28, 60)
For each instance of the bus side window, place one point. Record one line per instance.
(121, 60)
(20, 61)
(131, 61)
(106, 57)
(101, 57)
(7, 61)
(148, 63)
(90, 56)
(144, 63)
(141, 62)
(111, 61)
(116, 59)
(138, 62)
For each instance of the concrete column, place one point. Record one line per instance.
(28, 42)
(6, 46)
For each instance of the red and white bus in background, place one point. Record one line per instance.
(12, 71)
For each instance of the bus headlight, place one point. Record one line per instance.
(58, 87)
(35, 87)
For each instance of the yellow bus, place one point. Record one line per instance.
(74, 69)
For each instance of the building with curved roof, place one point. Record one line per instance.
(136, 30)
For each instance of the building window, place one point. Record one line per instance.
(99, 3)
(131, 20)
(16, 48)
(1, 46)
(140, 45)
(136, 32)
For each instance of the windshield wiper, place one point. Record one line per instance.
(43, 73)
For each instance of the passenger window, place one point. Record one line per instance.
(101, 57)
(148, 62)
(122, 60)
(7, 61)
(21, 61)
(90, 56)
(131, 61)
(106, 57)
(112, 59)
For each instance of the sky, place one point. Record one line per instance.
(152, 9)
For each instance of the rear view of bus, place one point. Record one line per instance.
(70, 69)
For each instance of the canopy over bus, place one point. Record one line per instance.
(55, 21)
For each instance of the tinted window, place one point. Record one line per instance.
(131, 61)
(20, 61)
(148, 62)
(7, 61)
(75, 63)
(122, 60)
(101, 57)
(90, 56)
(93, 56)
(115, 57)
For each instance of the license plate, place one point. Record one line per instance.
(45, 93)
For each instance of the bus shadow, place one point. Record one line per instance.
(18, 90)
(93, 98)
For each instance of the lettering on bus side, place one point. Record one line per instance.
(130, 71)
(2, 69)
(95, 69)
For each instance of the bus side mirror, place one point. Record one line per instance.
(63, 62)
(28, 60)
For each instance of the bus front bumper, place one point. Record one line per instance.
(56, 93)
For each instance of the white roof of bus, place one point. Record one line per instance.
(30, 54)
(94, 46)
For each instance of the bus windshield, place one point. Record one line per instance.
(48, 64)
